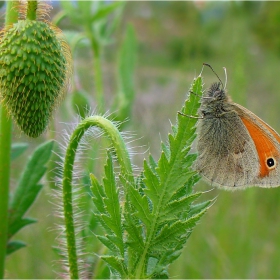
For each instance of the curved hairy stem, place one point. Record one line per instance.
(126, 170)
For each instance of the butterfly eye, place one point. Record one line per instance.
(270, 162)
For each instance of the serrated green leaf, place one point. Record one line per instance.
(169, 233)
(189, 160)
(141, 204)
(152, 163)
(174, 129)
(191, 182)
(140, 183)
(135, 235)
(116, 240)
(168, 258)
(179, 147)
(186, 189)
(112, 198)
(108, 243)
(109, 222)
(98, 194)
(158, 215)
(178, 206)
(13, 246)
(117, 264)
(134, 230)
(166, 149)
(169, 192)
(109, 210)
(163, 167)
(200, 207)
(18, 149)
(151, 180)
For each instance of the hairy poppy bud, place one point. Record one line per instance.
(34, 73)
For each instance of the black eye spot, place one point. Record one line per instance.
(270, 162)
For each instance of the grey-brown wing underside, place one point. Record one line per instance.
(227, 156)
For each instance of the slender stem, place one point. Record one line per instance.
(5, 151)
(32, 6)
(126, 170)
(99, 83)
(98, 76)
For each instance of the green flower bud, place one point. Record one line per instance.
(34, 74)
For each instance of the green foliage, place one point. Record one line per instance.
(26, 192)
(147, 232)
(109, 209)
(93, 16)
(80, 103)
(126, 65)
(18, 149)
(34, 73)
(267, 25)
(193, 33)
(99, 20)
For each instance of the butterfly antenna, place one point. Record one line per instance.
(206, 64)
(225, 69)
(201, 69)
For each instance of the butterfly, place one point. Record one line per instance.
(235, 147)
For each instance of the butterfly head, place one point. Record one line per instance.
(215, 101)
(216, 91)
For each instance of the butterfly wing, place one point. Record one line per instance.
(227, 156)
(267, 143)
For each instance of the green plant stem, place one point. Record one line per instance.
(32, 6)
(99, 83)
(126, 170)
(5, 151)
(98, 76)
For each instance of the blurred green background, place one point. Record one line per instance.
(239, 237)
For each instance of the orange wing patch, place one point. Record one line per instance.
(266, 149)
(271, 130)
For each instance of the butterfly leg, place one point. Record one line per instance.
(193, 117)
(194, 93)
(188, 116)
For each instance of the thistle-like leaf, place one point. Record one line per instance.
(117, 264)
(159, 213)
(165, 208)
(169, 234)
(108, 208)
